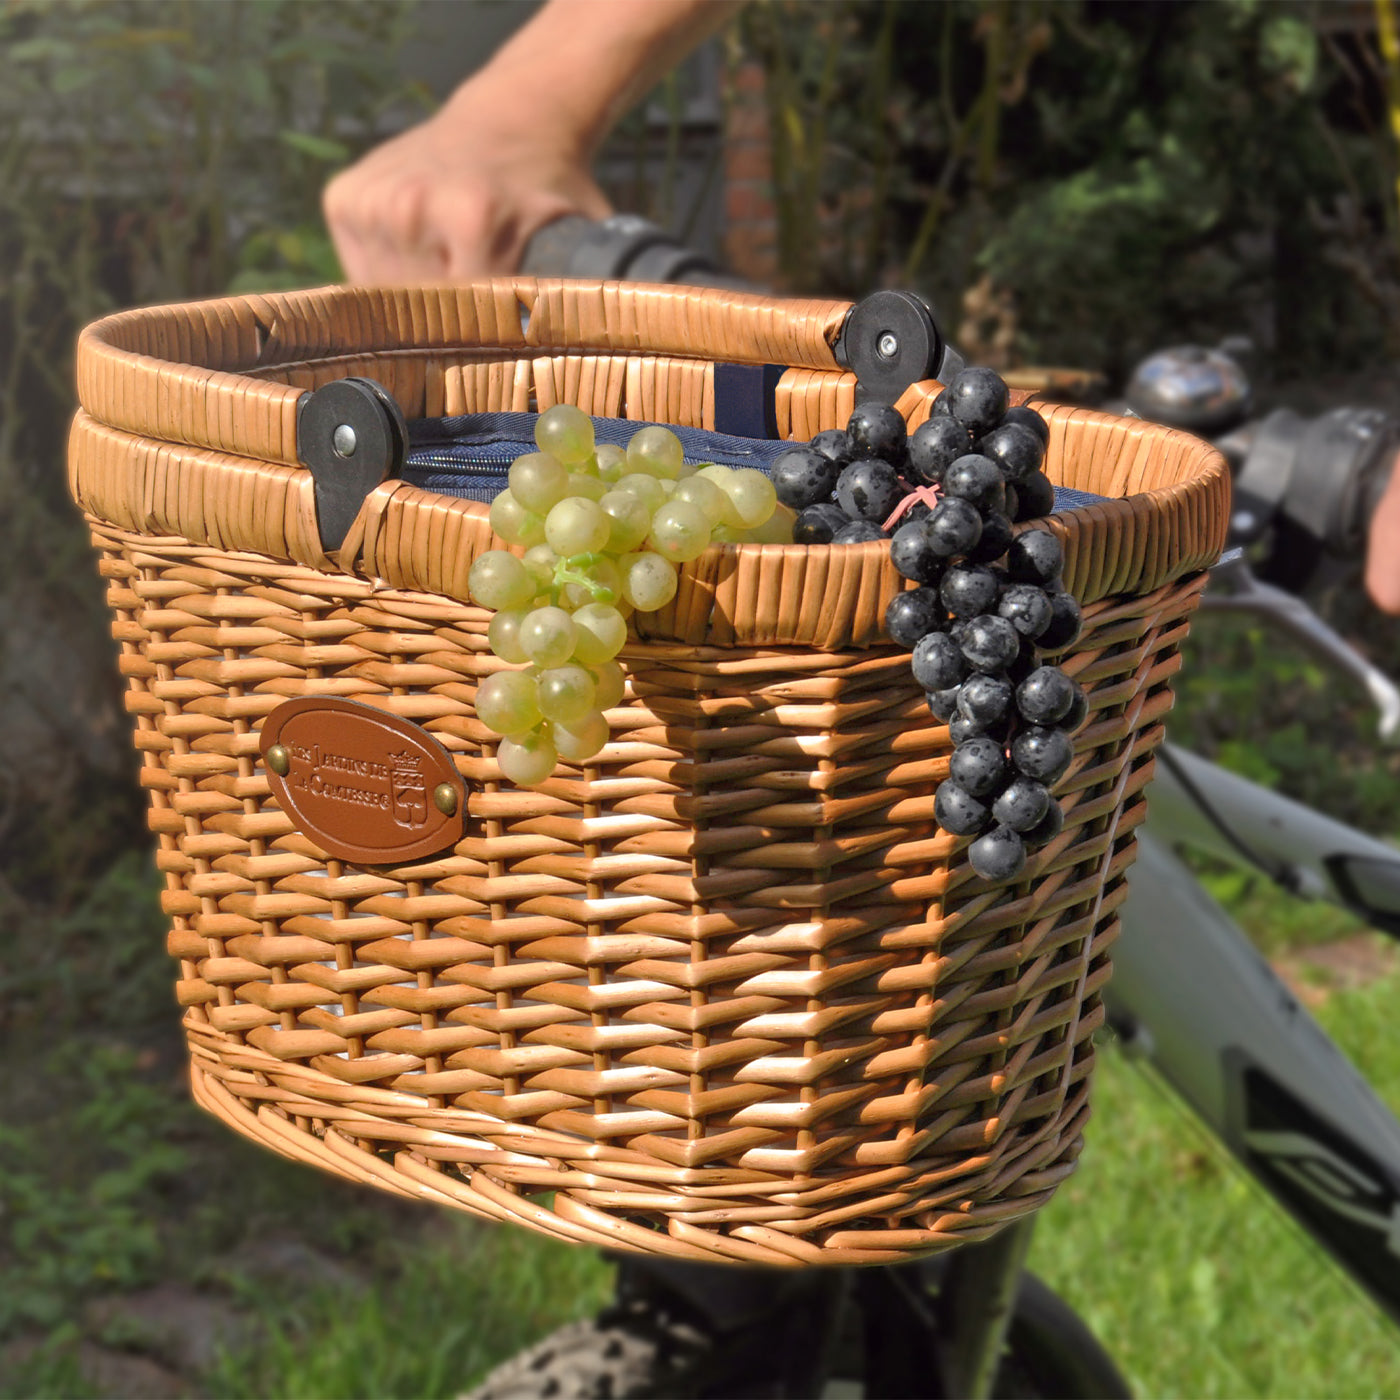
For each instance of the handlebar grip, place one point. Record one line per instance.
(1323, 476)
(623, 247)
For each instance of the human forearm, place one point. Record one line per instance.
(579, 65)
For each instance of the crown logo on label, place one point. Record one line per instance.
(410, 789)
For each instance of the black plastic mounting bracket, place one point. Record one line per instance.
(892, 340)
(351, 435)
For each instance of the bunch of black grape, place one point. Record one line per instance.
(847, 484)
(987, 603)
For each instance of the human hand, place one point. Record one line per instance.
(1383, 548)
(458, 196)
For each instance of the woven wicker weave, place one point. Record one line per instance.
(726, 992)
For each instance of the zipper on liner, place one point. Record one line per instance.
(427, 457)
(421, 457)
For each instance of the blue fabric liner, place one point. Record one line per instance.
(469, 455)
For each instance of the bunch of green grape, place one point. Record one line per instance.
(603, 531)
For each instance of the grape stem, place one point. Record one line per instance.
(573, 570)
(929, 495)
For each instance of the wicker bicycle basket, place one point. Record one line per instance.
(726, 992)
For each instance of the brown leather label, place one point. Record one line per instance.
(364, 785)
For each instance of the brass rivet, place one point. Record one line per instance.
(445, 798)
(279, 760)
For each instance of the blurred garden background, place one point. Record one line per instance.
(1074, 184)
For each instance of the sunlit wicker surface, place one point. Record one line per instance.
(726, 992)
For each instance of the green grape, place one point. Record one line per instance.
(527, 759)
(582, 739)
(600, 632)
(720, 475)
(589, 487)
(503, 635)
(500, 580)
(547, 636)
(513, 523)
(610, 684)
(647, 489)
(576, 526)
(629, 521)
(540, 562)
(508, 702)
(538, 481)
(589, 578)
(777, 529)
(718, 508)
(679, 531)
(566, 432)
(648, 581)
(566, 694)
(611, 461)
(753, 496)
(656, 451)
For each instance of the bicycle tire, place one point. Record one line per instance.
(1055, 1351)
(638, 1352)
(624, 1353)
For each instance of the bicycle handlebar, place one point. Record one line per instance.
(624, 247)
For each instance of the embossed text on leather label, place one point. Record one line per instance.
(363, 784)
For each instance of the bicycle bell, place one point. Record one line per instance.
(1189, 386)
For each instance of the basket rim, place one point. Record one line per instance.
(183, 432)
(195, 372)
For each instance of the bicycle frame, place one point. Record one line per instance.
(1193, 997)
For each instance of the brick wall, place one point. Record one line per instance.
(750, 216)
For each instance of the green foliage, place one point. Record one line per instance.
(1132, 172)
(144, 143)
(98, 960)
(50, 1368)
(285, 258)
(1256, 703)
(79, 1221)
(150, 150)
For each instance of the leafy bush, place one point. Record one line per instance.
(150, 150)
(79, 1222)
(1132, 172)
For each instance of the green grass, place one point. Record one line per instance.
(1191, 1278)
(1276, 921)
(455, 1309)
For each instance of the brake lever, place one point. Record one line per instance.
(1291, 614)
